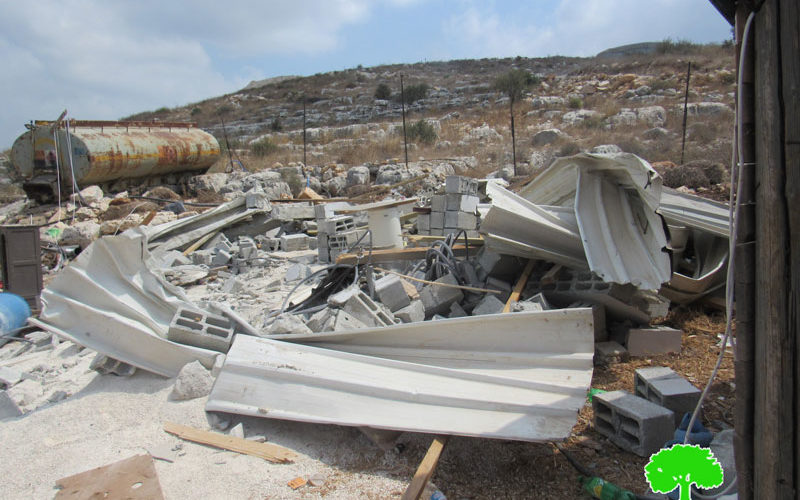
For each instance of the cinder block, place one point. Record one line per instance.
(437, 299)
(323, 254)
(336, 224)
(201, 329)
(653, 341)
(502, 286)
(437, 220)
(438, 203)
(105, 365)
(456, 311)
(364, 309)
(221, 258)
(423, 222)
(343, 321)
(294, 242)
(490, 304)
(412, 313)
(609, 353)
(391, 293)
(460, 220)
(460, 185)
(663, 386)
(632, 423)
(247, 248)
(461, 203)
(220, 242)
(203, 257)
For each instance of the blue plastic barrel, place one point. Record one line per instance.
(13, 312)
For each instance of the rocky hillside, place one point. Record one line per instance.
(631, 100)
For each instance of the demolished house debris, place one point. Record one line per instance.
(451, 314)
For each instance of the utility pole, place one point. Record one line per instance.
(403, 107)
(685, 106)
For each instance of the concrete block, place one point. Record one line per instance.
(321, 321)
(201, 329)
(438, 203)
(461, 203)
(294, 242)
(340, 298)
(220, 242)
(490, 304)
(344, 321)
(8, 407)
(247, 248)
(364, 309)
(609, 353)
(336, 224)
(664, 387)
(253, 199)
(287, 324)
(105, 366)
(437, 220)
(437, 299)
(292, 211)
(323, 254)
(391, 293)
(460, 220)
(653, 341)
(221, 258)
(412, 313)
(202, 257)
(502, 286)
(423, 222)
(467, 271)
(632, 423)
(456, 184)
(456, 311)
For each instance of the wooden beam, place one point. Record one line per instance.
(267, 451)
(521, 282)
(393, 254)
(426, 468)
(200, 242)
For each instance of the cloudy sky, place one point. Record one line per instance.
(104, 59)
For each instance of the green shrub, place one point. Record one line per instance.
(196, 111)
(415, 92)
(276, 125)
(383, 91)
(223, 110)
(422, 131)
(575, 102)
(263, 147)
(515, 82)
(162, 110)
(681, 46)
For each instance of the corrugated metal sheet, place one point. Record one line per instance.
(110, 301)
(695, 212)
(615, 198)
(526, 380)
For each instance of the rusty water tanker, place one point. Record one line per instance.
(106, 152)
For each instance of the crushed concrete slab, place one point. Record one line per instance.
(297, 272)
(193, 381)
(412, 313)
(9, 376)
(288, 323)
(237, 431)
(8, 407)
(26, 392)
(610, 352)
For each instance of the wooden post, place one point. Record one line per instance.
(775, 342)
(403, 108)
(426, 469)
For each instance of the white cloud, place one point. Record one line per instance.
(578, 27)
(104, 60)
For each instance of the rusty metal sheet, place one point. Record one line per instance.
(132, 478)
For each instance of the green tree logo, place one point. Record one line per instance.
(682, 466)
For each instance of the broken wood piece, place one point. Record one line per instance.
(436, 283)
(296, 483)
(550, 276)
(426, 468)
(149, 218)
(132, 478)
(200, 242)
(521, 282)
(267, 451)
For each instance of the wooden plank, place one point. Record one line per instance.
(132, 478)
(149, 218)
(426, 468)
(434, 283)
(790, 72)
(775, 394)
(267, 451)
(521, 282)
(200, 242)
(550, 276)
(429, 238)
(394, 254)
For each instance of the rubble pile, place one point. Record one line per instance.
(472, 310)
